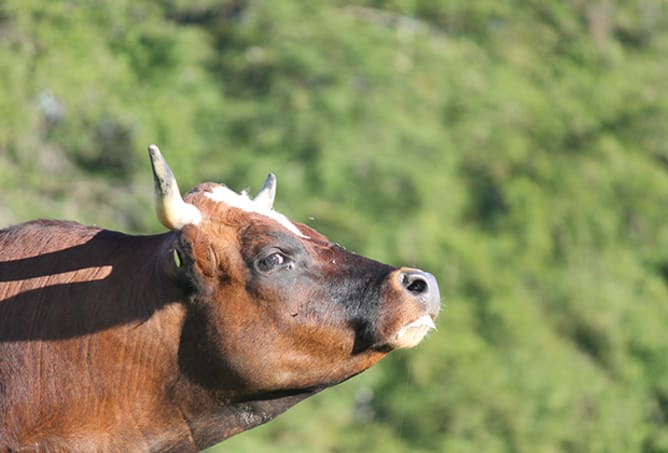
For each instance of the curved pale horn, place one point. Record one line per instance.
(173, 212)
(267, 194)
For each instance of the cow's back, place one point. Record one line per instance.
(38, 253)
(71, 298)
(46, 268)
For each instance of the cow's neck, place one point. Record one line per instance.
(215, 422)
(210, 411)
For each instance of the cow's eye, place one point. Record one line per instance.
(272, 261)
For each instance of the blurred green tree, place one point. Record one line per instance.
(517, 150)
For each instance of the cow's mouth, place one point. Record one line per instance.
(412, 333)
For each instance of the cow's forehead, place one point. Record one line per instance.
(223, 194)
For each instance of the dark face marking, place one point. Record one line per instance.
(317, 281)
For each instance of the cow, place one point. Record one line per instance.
(177, 341)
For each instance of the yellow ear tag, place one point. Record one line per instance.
(177, 258)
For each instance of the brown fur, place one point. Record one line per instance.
(107, 345)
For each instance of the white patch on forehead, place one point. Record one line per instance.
(225, 195)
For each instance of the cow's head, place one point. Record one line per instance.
(276, 306)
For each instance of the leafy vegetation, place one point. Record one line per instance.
(517, 150)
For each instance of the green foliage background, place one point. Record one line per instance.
(516, 149)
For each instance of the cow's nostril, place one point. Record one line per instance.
(415, 283)
(421, 287)
(418, 286)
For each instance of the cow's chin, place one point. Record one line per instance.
(412, 333)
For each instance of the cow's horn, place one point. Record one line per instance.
(173, 212)
(267, 194)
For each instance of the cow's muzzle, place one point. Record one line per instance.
(423, 287)
(421, 293)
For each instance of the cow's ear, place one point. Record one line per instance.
(197, 253)
(177, 264)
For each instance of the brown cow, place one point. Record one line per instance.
(173, 342)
